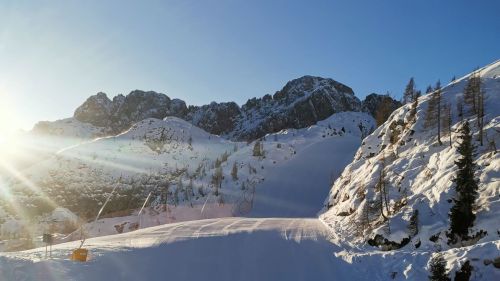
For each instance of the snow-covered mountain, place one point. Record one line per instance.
(302, 102)
(385, 217)
(402, 173)
(187, 173)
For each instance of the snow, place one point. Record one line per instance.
(155, 151)
(297, 188)
(222, 249)
(231, 249)
(276, 242)
(419, 174)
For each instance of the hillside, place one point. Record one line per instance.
(185, 172)
(404, 157)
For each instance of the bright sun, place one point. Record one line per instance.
(8, 127)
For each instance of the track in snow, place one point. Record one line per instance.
(215, 249)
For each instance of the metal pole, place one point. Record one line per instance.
(142, 208)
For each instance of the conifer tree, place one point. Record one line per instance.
(428, 90)
(461, 213)
(408, 95)
(234, 172)
(217, 180)
(438, 269)
(413, 226)
(256, 149)
(464, 273)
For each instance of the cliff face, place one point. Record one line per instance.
(123, 111)
(302, 102)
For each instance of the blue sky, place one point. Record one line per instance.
(54, 54)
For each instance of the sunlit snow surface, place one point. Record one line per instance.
(297, 248)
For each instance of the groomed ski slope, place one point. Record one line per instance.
(222, 249)
(214, 249)
(297, 188)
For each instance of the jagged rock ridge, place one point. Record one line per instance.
(300, 103)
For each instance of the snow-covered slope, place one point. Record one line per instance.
(418, 175)
(222, 249)
(297, 187)
(176, 162)
(227, 249)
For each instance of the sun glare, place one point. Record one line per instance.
(9, 125)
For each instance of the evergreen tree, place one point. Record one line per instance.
(464, 273)
(409, 94)
(256, 149)
(217, 163)
(461, 214)
(429, 89)
(413, 226)
(438, 269)
(217, 180)
(234, 172)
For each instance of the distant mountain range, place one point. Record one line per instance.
(302, 102)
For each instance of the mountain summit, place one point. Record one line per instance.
(302, 102)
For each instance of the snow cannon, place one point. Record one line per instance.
(79, 255)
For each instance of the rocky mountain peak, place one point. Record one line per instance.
(307, 85)
(123, 111)
(95, 110)
(373, 101)
(300, 103)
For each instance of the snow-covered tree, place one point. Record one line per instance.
(464, 273)
(437, 268)
(414, 106)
